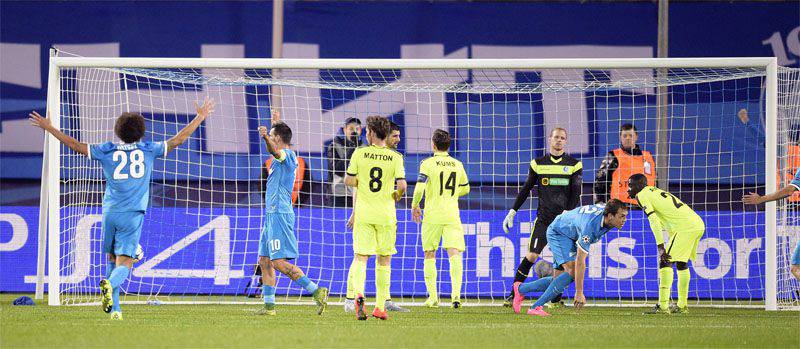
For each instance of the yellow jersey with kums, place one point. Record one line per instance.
(443, 180)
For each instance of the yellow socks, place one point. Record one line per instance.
(683, 287)
(429, 269)
(665, 278)
(456, 273)
(383, 280)
(351, 291)
(358, 276)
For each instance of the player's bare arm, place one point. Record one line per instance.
(755, 199)
(402, 185)
(580, 271)
(350, 181)
(203, 111)
(419, 193)
(663, 256)
(45, 124)
(351, 221)
(273, 142)
(272, 148)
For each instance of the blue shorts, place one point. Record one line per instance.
(121, 232)
(277, 239)
(564, 249)
(796, 254)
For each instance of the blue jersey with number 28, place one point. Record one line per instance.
(127, 168)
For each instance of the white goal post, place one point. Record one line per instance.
(208, 190)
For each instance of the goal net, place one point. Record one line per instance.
(201, 231)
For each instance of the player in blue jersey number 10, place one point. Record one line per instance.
(277, 245)
(126, 168)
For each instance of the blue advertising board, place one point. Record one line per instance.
(213, 250)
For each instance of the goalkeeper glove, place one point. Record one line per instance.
(508, 223)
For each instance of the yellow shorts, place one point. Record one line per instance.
(374, 239)
(683, 245)
(451, 235)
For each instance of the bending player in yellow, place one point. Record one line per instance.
(442, 180)
(685, 228)
(374, 171)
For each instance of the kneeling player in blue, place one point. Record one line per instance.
(126, 167)
(278, 244)
(570, 236)
(785, 192)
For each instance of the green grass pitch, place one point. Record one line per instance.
(216, 326)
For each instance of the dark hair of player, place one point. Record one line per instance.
(613, 206)
(352, 121)
(130, 127)
(393, 127)
(636, 183)
(378, 125)
(283, 131)
(441, 140)
(628, 127)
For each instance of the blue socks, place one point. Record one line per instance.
(268, 292)
(535, 286)
(119, 275)
(554, 289)
(109, 268)
(309, 285)
(116, 275)
(115, 298)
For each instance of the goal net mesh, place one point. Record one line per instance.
(201, 232)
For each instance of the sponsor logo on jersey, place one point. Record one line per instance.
(555, 181)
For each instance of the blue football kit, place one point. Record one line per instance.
(277, 240)
(127, 168)
(577, 228)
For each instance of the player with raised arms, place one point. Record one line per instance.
(374, 171)
(442, 180)
(684, 227)
(785, 192)
(570, 236)
(559, 179)
(277, 245)
(127, 167)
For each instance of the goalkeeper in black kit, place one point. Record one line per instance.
(559, 180)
